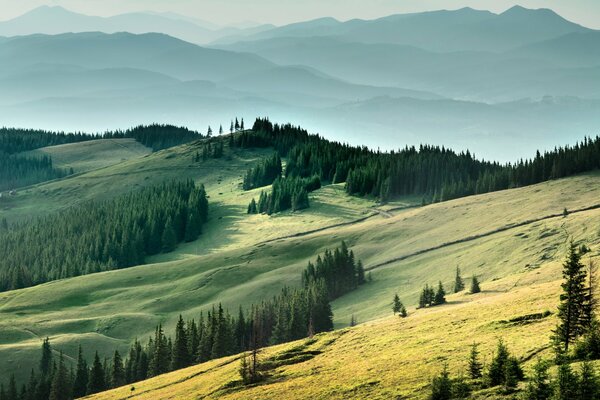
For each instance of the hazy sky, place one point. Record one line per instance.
(585, 12)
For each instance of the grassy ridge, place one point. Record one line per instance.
(93, 154)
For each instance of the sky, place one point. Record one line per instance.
(280, 12)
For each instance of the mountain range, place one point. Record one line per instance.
(523, 75)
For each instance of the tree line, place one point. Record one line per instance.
(101, 236)
(264, 173)
(293, 314)
(18, 170)
(433, 172)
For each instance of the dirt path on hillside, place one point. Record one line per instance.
(479, 236)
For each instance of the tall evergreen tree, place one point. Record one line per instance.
(181, 356)
(96, 382)
(80, 383)
(46, 359)
(567, 383)
(589, 386)
(117, 376)
(397, 304)
(61, 385)
(572, 300)
(459, 284)
(441, 386)
(475, 366)
(440, 295)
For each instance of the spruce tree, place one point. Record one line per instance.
(181, 356)
(589, 386)
(117, 377)
(403, 313)
(397, 304)
(12, 392)
(441, 386)
(496, 372)
(459, 284)
(539, 386)
(566, 386)
(80, 383)
(61, 385)
(252, 209)
(475, 285)
(96, 381)
(440, 295)
(475, 366)
(572, 300)
(46, 359)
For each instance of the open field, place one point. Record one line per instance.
(94, 154)
(231, 262)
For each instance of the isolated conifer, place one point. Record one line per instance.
(572, 300)
(403, 313)
(352, 320)
(231, 129)
(475, 285)
(459, 284)
(397, 304)
(220, 129)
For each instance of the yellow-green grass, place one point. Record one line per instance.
(386, 358)
(93, 154)
(108, 310)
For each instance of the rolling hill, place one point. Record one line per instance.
(240, 259)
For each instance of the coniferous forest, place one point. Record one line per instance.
(292, 314)
(101, 236)
(434, 172)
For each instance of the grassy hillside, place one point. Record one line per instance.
(239, 259)
(94, 154)
(386, 358)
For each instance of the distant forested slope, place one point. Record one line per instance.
(434, 172)
(101, 236)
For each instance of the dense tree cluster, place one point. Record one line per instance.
(100, 236)
(155, 136)
(338, 269)
(264, 173)
(430, 297)
(434, 172)
(286, 193)
(18, 170)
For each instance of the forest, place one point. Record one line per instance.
(433, 172)
(101, 235)
(294, 313)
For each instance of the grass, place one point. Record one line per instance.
(94, 154)
(242, 259)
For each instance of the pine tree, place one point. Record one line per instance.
(181, 356)
(496, 372)
(352, 320)
(96, 381)
(475, 366)
(209, 131)
(117, 377)
(220, 129)
(539, 386)
(441, 386)
(160, 361)
(475, 285)
(459, 284)
(81, 376)
(61, 387)
(589, 386)
(566, 383)
(252, 209)
(572, 300)
(440, 295)
(403, 313)
(231, 129)
(397, 304)
(46, 360)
